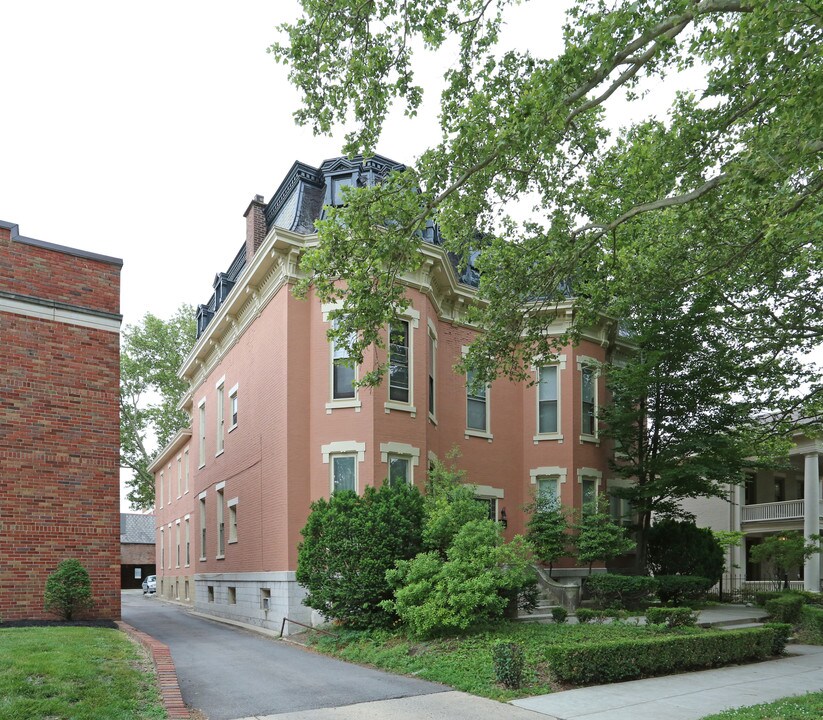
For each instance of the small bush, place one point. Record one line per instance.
(509, 660)
(624, 590)
(810, 598)
(617, 660)
(681, 548)
(671, 617)
(68, 590)
(559, 615)
(811, 625)
(782, 632)
(585, 615)
(785, 609)
(761, 597)
(676, 589)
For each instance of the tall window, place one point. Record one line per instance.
(342, 372)
(221, 536)
(221, 418)
(188, 543)
(233, 407)
(547, 400)
(432, 374)
(547, 490)
(476, 404)
(620, 510)
(344, 472)
(779, 489)
(233, 520)
(202, 528)
(202, 432)
(168, 487)
(399, 361)
(589, 400)
(177, 544)
(589, 500)
(399, 469)
(179, 476)
(491, 506)
(160, 488)
(186, 470)
(162, 548)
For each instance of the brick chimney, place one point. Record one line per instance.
(255, 226)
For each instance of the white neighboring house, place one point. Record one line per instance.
(771, 502)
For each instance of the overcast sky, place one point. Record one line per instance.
(142, 131)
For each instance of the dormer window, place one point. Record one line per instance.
(204, 316)
(222, 287)
(337, 185)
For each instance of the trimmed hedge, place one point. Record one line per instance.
(782, 632)
(677, 588)
(618, 660)
(585, 615)
(623, 590)
(509, 660)
(671, 617)
(810, 598)
(811, 625)
(785, 609)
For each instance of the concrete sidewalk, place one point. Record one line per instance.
(689, 696)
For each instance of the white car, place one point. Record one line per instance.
(150, 584)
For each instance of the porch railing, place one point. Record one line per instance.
(736, 588)
(786, 510)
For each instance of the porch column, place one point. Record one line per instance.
(738, 552)
(811, 519)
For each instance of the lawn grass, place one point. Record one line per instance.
(81, 673)
(802, 707)
(465, 662)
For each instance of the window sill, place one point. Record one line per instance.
(590, 439)
(219, 453)
(391, 405)
(202, 559)
(219, 557)
(479, 434)
(342, 404)
(433, 419)
(201, 466)
(541, 437)
(232, 427)
(232, 542)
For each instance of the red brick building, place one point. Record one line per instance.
(277, 423)
(59, 421)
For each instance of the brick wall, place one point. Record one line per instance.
(59, 431)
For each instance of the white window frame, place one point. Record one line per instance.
(203, 525)
(160, 489)
(472, 432)
(342, 456)
(177, 545)
(548, 471)
(336, 404)
(186, 470)
(233, 408)
(232, 506)
(560, 363)
(593, 366)
(220, 526)
(168, 558)
(404, 450)
(411, 317)
(220, 416)
(487, 492)
(162, 548)
(187, 522)
(343, 447)
(179, 476)
(431, 379)
(589, 474)
(201, 419)
(169, 493)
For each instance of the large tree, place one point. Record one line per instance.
(719, 199)
(151, 353)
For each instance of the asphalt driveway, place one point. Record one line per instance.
(228, 672)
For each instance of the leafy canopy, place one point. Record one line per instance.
(151, 353)
(718, 201)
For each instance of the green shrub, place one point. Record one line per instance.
(811, 625)
(618, 660)
(782, 632)
(785, 609)
(509, 660)
(677, 588)
(624, 590)
(559, 615)
(585, 615)
(349, 542)
(681, 548)
(671, 617)
(810, 598)
(473, 584)
(68, 590)
(761, 597)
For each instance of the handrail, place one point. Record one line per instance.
(295, 622)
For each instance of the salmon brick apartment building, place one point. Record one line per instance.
(276, 422)
(59, 421)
